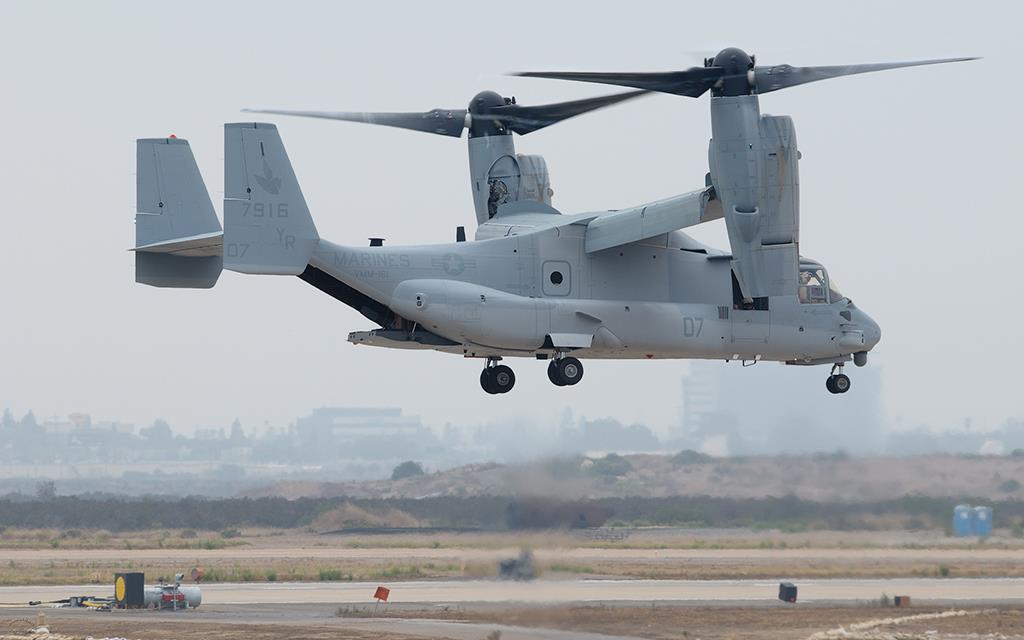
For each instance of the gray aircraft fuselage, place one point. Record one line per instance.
(660, 298)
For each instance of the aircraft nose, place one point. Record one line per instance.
(872, 332)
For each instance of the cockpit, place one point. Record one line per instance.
(815, 286)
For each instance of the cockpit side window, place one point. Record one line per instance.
(813, 288)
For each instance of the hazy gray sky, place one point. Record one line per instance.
(910, 191)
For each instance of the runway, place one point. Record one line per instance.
(579, 554)
(1006, 590)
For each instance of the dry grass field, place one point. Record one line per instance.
(30, 558)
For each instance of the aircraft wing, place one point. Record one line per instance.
(653, 219)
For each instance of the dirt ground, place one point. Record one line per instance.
(663, 622)
(659, 622)
(268, 556)
(809, 477)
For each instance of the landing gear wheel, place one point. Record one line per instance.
(837, 382)
(487, 380)
(502, 379)
(570, 370)
(497, 379)
(553, 375)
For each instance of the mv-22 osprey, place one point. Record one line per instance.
(536, 283)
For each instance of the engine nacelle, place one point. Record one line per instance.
(498, 176)
(534, 181)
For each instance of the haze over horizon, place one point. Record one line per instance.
(908, 196)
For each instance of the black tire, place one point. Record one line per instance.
(502, 379)
(553, 375)
(487, 381)
(841, 383)
(570, 370)
(828, 384)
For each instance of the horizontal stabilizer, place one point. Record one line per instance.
(199, 246)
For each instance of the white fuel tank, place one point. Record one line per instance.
(158, 597)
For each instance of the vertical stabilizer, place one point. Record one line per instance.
(267, 226)
(177, 234)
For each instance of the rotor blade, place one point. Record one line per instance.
(692, 82)
(783, 76)
(445, 122)
(524, 119)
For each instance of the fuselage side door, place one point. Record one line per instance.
(750, 327)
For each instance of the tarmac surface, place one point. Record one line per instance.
(457, 553)
(934, 590)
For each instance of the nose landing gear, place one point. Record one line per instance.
(837, 382)
(497, 378)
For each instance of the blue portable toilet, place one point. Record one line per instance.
(963, 517)
(982, 521)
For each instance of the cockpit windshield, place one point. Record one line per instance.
(833, 290)
(816, 287)
(813, 287)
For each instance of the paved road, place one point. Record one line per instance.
(555, 591)
(455, 553)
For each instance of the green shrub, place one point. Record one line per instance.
(407, 469)
(612, 465)
(330, 575)
(689, 456)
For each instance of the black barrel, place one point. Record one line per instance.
(787, 592)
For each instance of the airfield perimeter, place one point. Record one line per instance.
(571, 600)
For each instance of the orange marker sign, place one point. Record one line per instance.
(382, 594)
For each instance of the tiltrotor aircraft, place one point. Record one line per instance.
(625, 284)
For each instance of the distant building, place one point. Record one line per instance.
(345, 423)
(368, 433)
(701, 389)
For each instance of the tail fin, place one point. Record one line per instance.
(177, 234)
(267, 226)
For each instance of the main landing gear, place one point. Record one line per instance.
(565, 371)
(837, 382)
(497, 378)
